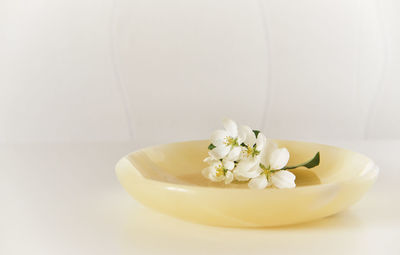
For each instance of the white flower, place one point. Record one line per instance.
(254, 145)
(279, 158)
(259, 182)
(227, 142)
(246, 155)
(219, 171)
(283, 179)
(247, 169)
(271, 173)
(265, 155)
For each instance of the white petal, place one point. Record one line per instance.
(279, 158)
(259, 182)
(234, 154)
(240, 177)
(250, 139)
(231, 127)
(247, 169)
(283, 180)
(212, 174)
(215, 178)
(209, 160)
(220, 151)
(267, 151)
(245, 165)
(247, 175)
(228, 177)
(261, 141)
(211, 156)
(218, 137)
(206, 172)
(241, 136)
(254, 171)
(228, 164)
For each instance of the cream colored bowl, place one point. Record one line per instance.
(168, 179)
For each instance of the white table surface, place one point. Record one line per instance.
(65, 199)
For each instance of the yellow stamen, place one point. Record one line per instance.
(220, 171)
(230, 141)
(251, 151)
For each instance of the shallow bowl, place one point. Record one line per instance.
(168, 179)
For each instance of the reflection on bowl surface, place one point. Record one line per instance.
(168, 178)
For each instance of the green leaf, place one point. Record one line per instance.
(256, 132)
(211, 146)
(309, 164)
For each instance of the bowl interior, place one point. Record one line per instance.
(181, 163)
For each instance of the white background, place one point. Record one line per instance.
(159, 71)
(83, 83)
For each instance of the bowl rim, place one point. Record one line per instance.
(188, 187)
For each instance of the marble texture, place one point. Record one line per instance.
(64, 198)
(168, 179)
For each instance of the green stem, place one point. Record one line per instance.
(309, 164)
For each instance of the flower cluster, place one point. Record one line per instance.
(243, 154)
